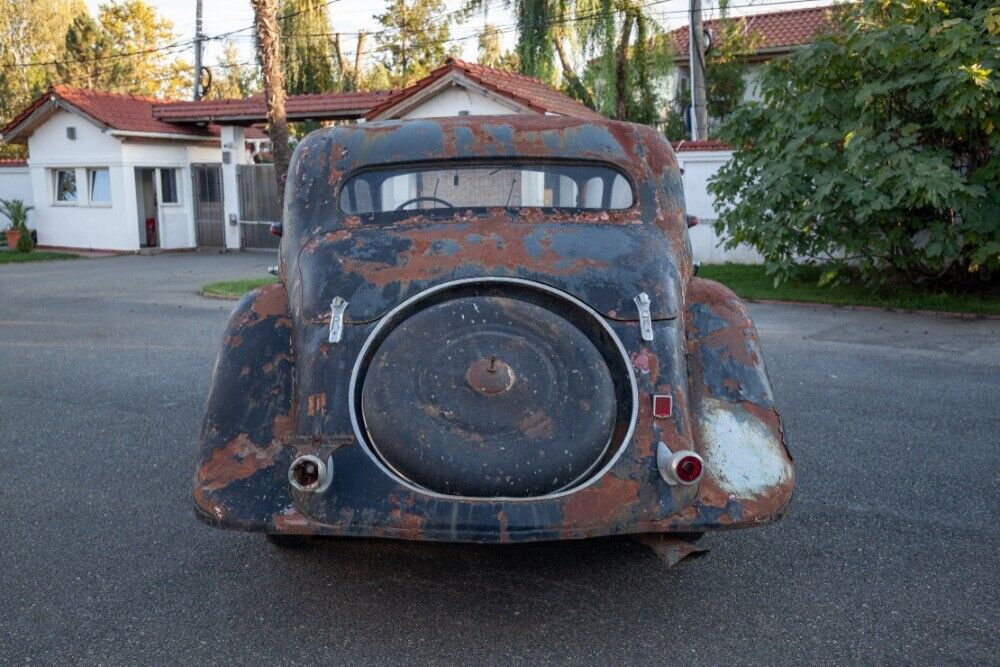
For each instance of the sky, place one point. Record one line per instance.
(351, 16)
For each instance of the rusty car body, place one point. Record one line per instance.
(545, 366)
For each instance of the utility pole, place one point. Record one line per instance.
(696, 50)
(198, 36)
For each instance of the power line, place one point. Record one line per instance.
(166, 47)
(503, 29)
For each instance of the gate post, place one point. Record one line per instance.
(234, 153)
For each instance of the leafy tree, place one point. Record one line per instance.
(725, 75)
(352, 75)
(413, 40)
(306, 46)
(875, 149)
(725, 65)
(231, 78)
(622, 50)
(134, 27)
(627, 53)
(491, 52)
(536, 21)
(30, 32)
(127, 50)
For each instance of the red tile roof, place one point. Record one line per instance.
(253, 109)
(778, 30)
(704, 145)
(129, 113)
(124, 113)
(525, 90)
(12, 163)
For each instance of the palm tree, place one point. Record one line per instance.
(15, 211)
(269, 53)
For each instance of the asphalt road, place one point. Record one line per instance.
(889, 554)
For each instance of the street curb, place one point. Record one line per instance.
(947, 313)
(220, 297)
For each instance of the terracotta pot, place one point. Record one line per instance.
(13, 236)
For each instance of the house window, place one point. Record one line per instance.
(65, 185)
(100, 186)
(168, 186)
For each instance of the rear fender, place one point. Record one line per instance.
(240, 481)
(748, 471)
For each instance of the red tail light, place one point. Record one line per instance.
(680, 467)
(688, 469)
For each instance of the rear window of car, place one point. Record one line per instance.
(446, 188)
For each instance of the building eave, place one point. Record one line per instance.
(191, 138)
(452, 78)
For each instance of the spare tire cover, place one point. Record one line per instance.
(488, 396)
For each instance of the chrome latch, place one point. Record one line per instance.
(645, 319)
(337, 308)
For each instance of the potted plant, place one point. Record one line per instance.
(18, 235)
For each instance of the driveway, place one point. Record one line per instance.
(888, 555)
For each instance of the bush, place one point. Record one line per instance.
(876, 149)
(24, 242)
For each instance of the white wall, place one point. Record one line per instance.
(83, 224)
(450, 101)
(698, 167)
(15, 183)
(176, 227)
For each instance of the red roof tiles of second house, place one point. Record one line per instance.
(777, 30)
(254, 107)
(525, 90)
(12, 163)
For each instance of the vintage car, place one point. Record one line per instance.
(487, 329)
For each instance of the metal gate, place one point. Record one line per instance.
(258, 205)
(208, 211)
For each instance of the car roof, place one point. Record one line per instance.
(348, 148)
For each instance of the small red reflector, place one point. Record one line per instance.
(689, 469)
(663, 406)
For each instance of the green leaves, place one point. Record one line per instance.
(875, 149)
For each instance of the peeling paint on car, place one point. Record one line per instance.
(745, 457)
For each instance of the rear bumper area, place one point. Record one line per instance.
(363, 500)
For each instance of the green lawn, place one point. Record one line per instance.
(234, 289)
(750, 282)
(35, 256)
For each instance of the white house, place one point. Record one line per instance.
(778, 34)
(105, 174)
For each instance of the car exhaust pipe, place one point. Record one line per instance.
(682, 467)
(309, 473)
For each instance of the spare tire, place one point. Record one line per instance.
(491, 394)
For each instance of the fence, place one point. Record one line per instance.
(258, 193)
(258, 205)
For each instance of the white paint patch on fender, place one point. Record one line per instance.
(740, 451)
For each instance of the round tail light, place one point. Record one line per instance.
(680, 467)
(310, 473)
(688, 468)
